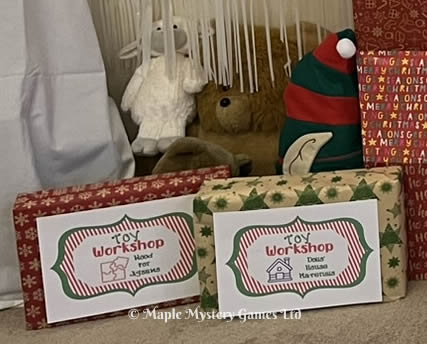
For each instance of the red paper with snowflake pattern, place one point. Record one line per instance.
(391, 24)
(31, 206)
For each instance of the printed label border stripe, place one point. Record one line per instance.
(349, 229)
(184, 269)
(343, 229)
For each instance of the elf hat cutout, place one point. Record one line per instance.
(322, 131)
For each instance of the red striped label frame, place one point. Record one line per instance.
(76, 287)
(349, 229)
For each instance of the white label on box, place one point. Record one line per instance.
(111, 259)
(298, 258)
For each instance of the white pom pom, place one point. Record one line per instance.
(346, 48)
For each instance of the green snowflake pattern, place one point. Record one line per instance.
(221, 203)
(332, 193)
(392, 282)
(202, 252)
(386, 187)
(277, 197)
(206, 231)
(394, 262)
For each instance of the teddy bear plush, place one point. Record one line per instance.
(245, 123)
(160, 106)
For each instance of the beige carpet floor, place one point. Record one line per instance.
(403, 322)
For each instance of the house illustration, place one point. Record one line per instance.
(280, 271)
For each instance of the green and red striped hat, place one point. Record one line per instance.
(323, 97)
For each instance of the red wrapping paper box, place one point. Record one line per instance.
(391, 24)
(31, 208)
(393, 100)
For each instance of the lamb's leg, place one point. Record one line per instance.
(146, 143)
(171, 131)
(145, 147)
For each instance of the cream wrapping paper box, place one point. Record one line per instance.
(248, 194)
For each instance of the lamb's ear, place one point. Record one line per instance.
(130, 51)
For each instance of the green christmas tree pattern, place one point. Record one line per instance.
(200, 207)
(208, 301)
(390, 238)
(308, 197)
(396, 210)
(363, 191)
(254, 201)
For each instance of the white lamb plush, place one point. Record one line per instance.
(162, 107)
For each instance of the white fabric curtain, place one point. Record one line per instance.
(57, 124)
(116, 22)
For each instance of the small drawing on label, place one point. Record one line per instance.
(114, 270)
(280, 271)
